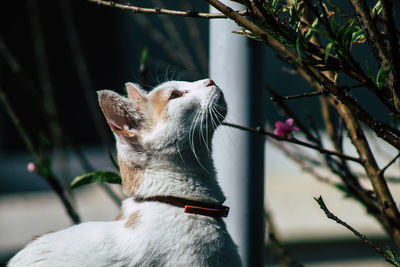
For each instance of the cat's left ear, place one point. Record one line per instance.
(121, 114)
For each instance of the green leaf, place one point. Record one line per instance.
(397, 116)
(376, 10)
(274, 4)
(327, 51)
(298, 46)
(309, 34)
(248, 34)
(144, 56)
(95, 177)
(347, 34)
(358, 37)
(369, 72)
(381, 77)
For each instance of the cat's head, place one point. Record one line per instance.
(174, 117)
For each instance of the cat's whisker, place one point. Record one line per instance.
(213, 113)
(203, 136)
(192, 132)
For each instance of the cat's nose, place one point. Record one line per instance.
(210, 82)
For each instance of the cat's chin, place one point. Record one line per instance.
(219, 107)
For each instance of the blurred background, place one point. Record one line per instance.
(55, 55)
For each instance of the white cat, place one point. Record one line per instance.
(173, 217)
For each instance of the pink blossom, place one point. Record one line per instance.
(330, 14)
(31, 167)
(285, 129)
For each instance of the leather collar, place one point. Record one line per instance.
(191, 206)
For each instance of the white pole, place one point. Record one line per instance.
(230, 67)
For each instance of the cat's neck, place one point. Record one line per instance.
(184, 175)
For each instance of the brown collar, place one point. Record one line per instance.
(191, 206)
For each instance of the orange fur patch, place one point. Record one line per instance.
(120, 215)
(159, 101)
(132, 220)
(131, 177)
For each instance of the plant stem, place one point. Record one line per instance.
(50, 178)
(293, 140)
(332, 216)
(163, 11)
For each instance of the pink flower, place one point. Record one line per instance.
(285, 129)
(31, 167)
(330, 14)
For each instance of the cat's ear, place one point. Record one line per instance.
(121, 114)
(135, 93)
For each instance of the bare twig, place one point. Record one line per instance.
(332, 216)
(299, 160)
(50, 178)
(47, 87)
(390, 216)
(389, 164)
(163, 11)
(303, 95)
(17, 124)
(293, 140)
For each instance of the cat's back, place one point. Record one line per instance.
(86, 244)
(147, 234)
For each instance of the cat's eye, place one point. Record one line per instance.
(175, 94)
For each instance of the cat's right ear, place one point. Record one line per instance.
(121, 114)
(135, 93)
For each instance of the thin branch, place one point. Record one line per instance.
(87, 86)
(294, 141)
(46, 85)
(392, 50)
(389, 164)
(376, 41)
(350, 63)
(311, 94)
(18, 126)
(163, 11)
(304, 69)
(390, 215)
(299, 160)
(332, 216)
(50, 178)
(279, 101)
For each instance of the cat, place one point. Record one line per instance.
(174, 214)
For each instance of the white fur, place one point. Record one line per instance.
(174, 163)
